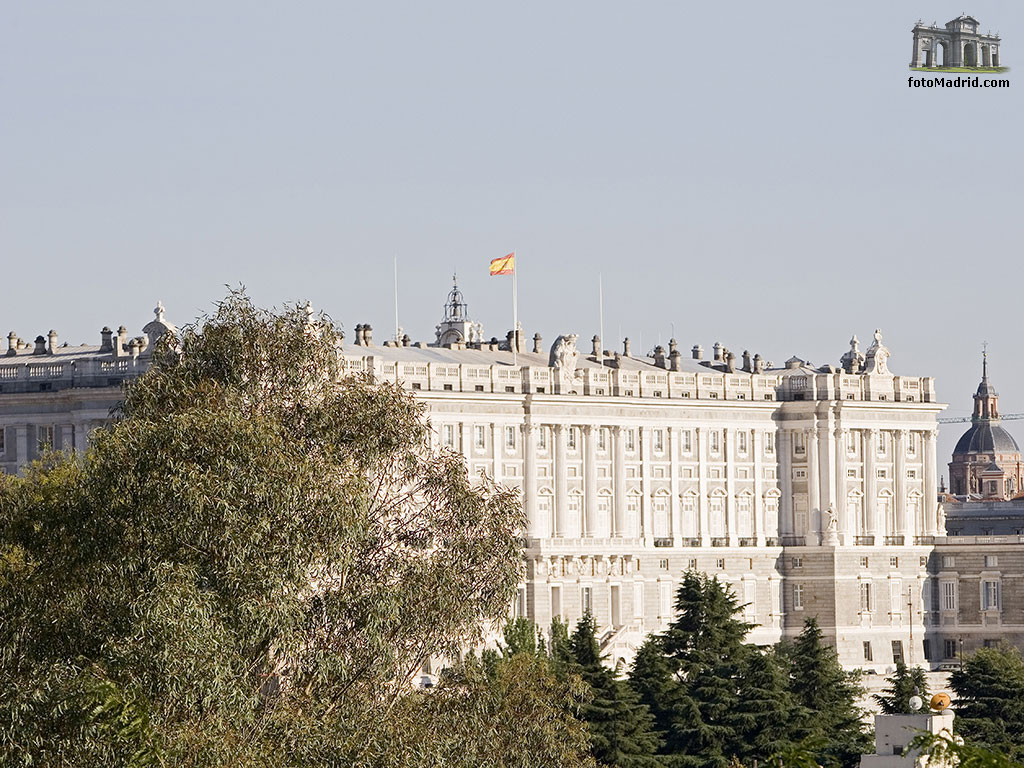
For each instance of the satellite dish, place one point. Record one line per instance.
(940, 701)
(915, 703)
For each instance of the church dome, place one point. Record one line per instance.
(986, 437)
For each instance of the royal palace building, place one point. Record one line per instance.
(810, 489)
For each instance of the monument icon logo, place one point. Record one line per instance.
(956, 47)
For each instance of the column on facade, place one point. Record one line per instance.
(702, 486)
(729, 454)
(646, 526)
(870, 477)
(900, 484)
(467, 446)
(590, 480)
(618, 523)
(21, 446)
(536, 527)
(496, 443)
(785, 453)
(931, 489)
(827, 465)
(82, 436)
(813, 486)
(842, 511)
(674, 506)
(561, 483)
(760, 524)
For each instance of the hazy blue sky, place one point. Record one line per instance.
(755, 173)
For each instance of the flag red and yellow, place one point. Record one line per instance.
(506, 265)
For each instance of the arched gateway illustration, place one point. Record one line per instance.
(958, 44)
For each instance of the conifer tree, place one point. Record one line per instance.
(830, 696)
(989, 695)
(903, 685)
(766, 713)
(621, 727)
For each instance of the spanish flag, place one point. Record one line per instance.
(506, 265)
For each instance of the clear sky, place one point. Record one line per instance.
(749, 172)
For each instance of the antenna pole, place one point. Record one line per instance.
(515, 309)
(398, 329)
(600, 318)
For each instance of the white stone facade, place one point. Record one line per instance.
(810, 490)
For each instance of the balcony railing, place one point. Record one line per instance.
(772, 541)
(864, 541)
(894, 541)
(720, 541)
(924, 540)
(748, 541)
(663, 542)
(793, 541)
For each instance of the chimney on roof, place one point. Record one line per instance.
(368, 335)
(659, 356)
(626, 347)
(406, 341)
(596, 348)
(106, 345)
(697, 352)
(52, 338)
(12, 344)
(134, 347)
(537, 344)
(719, 352)
(730, 362)
(40, 346)
(746, 361)
(121, 343)
(758, 364)
(675, 356)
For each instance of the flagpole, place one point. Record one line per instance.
(398, 330)
(600, 320)
(515, 310)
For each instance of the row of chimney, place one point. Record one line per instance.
(45, 345)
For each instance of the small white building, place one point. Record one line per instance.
(894, 733)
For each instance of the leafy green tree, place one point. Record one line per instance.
(989, 695)
(829, 696)
(904, 685)
(248, 566)
(620, 726)
(944, 749)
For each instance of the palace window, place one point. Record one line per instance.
(798, 597)
(665, 599)
(659, 441)
(715, 441)
(448, 435)
(45, 437)
(510, 438)
(663, 564)
(479, 437)
(949, 649)
(868, 656)
(851, 443)
(692, 565)
(687, 441)
(948, 561)
(863, 562)
(769, 442)
(630, 440)
(571, 439)
(897, 651)
(542, 438)
(991, 561)
(865, 597)
(720, 563)
(894, 562)
(741, 442)
(798, 562)
(602, 441)
(949, 601)
(799, 448)
(990, 595)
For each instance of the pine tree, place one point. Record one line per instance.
(693, 689)
(904, 685)
(989, 695)
(621, 728)
(766, 711)
(830, 696)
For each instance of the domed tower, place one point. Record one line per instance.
(986, 461)
(456, 327)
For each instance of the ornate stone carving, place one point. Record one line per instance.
(563, 357)
(878, 356)
(940, 520)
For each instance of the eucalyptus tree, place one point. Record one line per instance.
(247, 566)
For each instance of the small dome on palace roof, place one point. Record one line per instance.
(986, 437)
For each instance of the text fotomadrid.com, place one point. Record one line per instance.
(956, 82)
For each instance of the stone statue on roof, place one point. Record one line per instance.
(877, 357)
